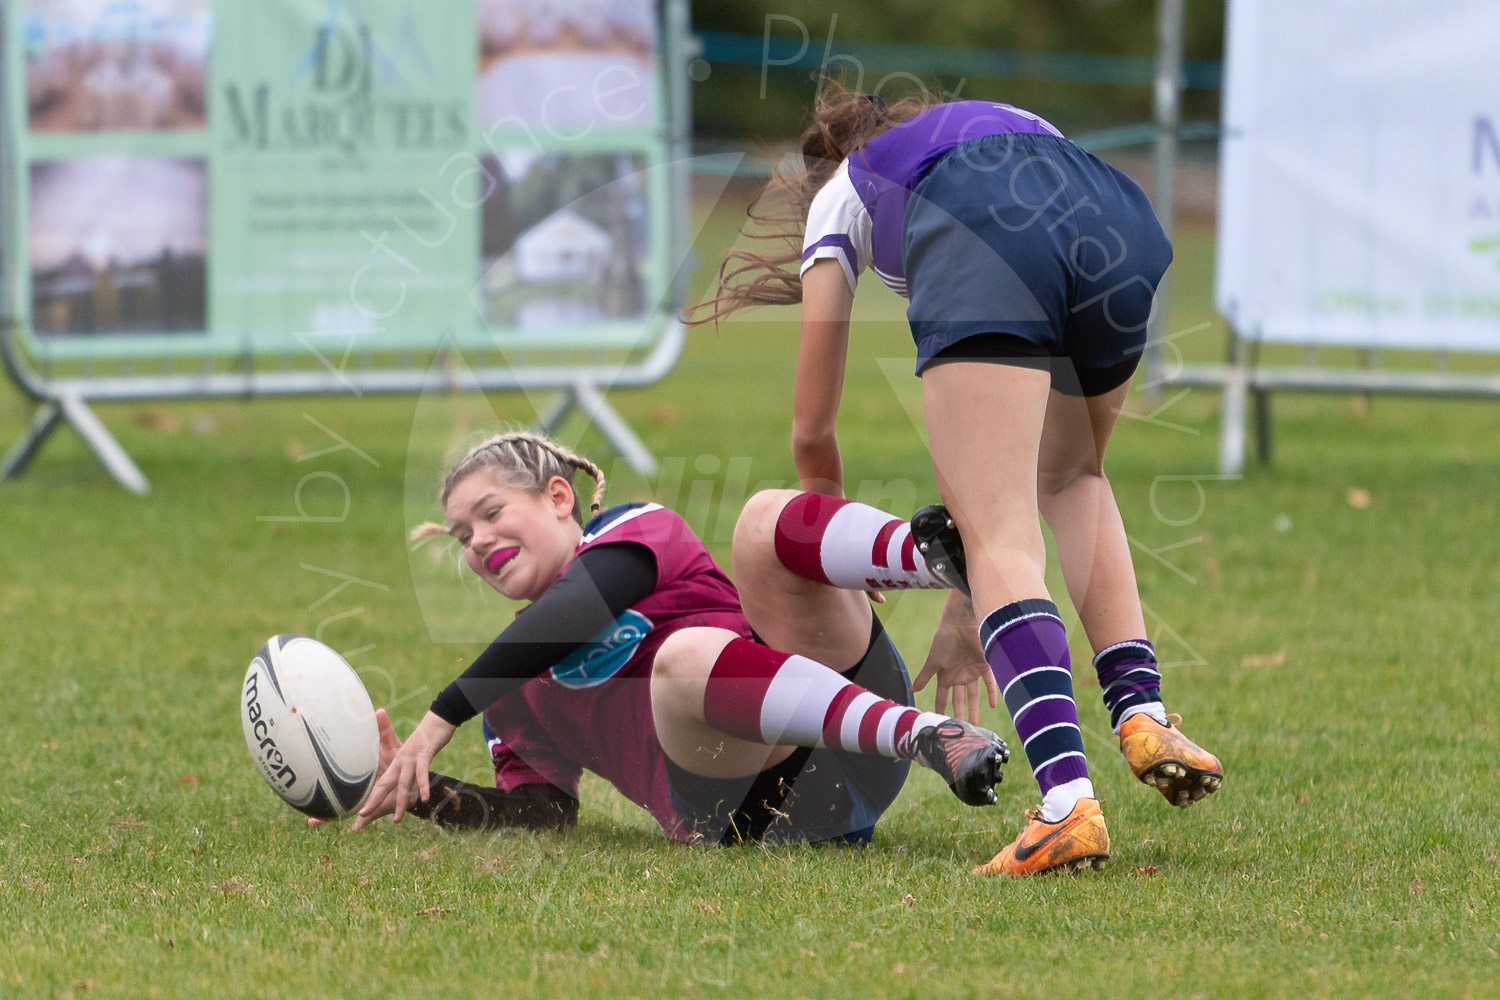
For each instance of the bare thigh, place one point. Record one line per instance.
(984, 429)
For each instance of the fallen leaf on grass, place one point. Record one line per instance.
(1148, 870)
(159, 420)
(666, 413)
(188, 779)
(1264, 660)
(432, 911)
(1357, 498)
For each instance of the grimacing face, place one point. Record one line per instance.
(514, 540)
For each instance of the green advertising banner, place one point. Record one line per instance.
(208, 177)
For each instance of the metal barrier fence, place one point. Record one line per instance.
(64, 383)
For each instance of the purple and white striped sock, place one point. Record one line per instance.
(1130, 681)
(1026, 646)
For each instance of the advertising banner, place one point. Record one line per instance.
(1360, 175)
(202, 177)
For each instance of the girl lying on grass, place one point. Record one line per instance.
(781, 712)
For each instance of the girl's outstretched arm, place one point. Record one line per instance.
(460, 805)
(827, 301)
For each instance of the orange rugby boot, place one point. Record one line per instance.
(1078, 841)
(1161, 756)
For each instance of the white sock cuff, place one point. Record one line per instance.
(1155, 709)
(1058, 802)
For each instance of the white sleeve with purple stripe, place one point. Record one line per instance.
(838, 227)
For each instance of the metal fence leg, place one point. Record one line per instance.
(1264, 428)
(1232, 422)
(559, 407)
(614, 427)
(92, 430)
(48, 416)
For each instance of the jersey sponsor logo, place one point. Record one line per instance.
(606, 654)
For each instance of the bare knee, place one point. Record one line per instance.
(755, 531)
(679, 674)
(1055, 482)
(689, 654)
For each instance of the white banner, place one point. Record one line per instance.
(1359, 196)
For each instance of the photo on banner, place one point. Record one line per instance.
(118, 245)
(563, 240)
(111, 66)
(328, 165)
(566, 66)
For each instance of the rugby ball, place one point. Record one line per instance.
(310, 726)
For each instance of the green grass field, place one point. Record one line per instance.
(1337, 654)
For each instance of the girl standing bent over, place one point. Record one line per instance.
(1030, 267)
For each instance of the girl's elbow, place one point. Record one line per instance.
(807, 443)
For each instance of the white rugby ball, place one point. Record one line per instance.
(310, 726)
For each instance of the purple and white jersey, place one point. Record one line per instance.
(856, 217)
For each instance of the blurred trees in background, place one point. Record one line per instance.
(729, 104)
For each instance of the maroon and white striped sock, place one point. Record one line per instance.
(850, 545)
(778, 698)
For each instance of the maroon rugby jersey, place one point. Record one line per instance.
(593, 710)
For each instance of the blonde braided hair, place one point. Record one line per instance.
(527, 461)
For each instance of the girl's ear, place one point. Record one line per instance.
(560, 494)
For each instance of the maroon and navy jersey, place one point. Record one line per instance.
(856, 218)
(592, 710)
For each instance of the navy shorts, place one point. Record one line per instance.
(814, 795)
(1026, 235)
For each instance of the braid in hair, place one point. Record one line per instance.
(527, 461)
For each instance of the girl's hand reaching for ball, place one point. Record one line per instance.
(404, 779)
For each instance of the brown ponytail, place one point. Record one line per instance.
(843, 121)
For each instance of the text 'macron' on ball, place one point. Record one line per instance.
(310, 726)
